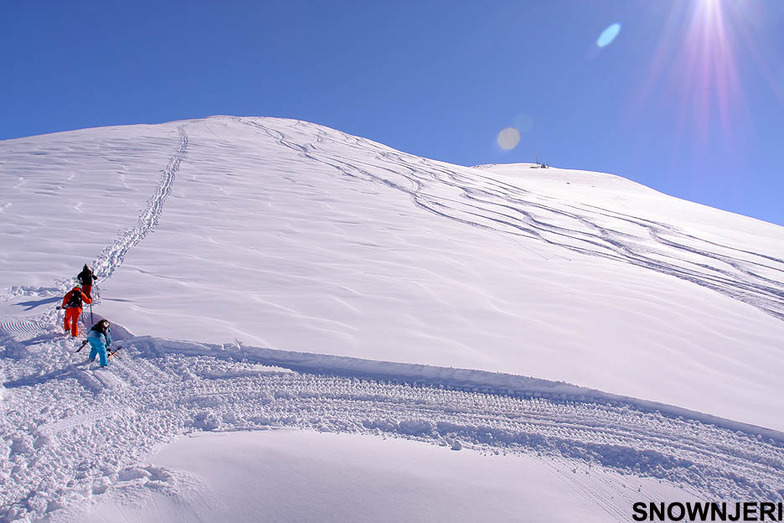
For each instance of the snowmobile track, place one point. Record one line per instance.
(156, 394)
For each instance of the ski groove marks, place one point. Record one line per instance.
(169, 394)
(475, 199)
(711, 459)
(23, 327)
(112, 256)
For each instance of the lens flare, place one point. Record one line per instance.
(608, 35)
(508, 138)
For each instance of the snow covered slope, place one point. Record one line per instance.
(269, 241)
(293, 236)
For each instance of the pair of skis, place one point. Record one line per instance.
(109, 353)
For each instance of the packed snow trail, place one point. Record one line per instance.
(113, 255)
(69, 433)
(475, 198)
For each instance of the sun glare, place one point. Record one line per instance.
(696, 61)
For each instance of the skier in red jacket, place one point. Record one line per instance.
(72, 303)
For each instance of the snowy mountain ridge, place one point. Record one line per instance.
(325, 281)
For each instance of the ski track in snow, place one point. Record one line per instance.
(69, 432)
(586, 229)
(42, 330)
(113, 255)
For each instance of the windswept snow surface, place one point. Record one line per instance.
(327, 282)
(362, 478)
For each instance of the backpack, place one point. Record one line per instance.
(86, 277)
(75, 301)
(98, 327)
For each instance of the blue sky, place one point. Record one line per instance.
(685, 96)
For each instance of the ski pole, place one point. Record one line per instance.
(81, 346)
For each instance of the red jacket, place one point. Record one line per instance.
(67, 298)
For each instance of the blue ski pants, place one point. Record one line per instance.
(97, 347)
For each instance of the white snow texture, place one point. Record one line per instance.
(585, 342)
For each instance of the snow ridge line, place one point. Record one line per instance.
(448, 377)
(112, 256)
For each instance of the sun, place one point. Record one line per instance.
(709, 63)
(696, 63)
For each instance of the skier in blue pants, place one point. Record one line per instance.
(100, 337)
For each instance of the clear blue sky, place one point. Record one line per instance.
(688, 98)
